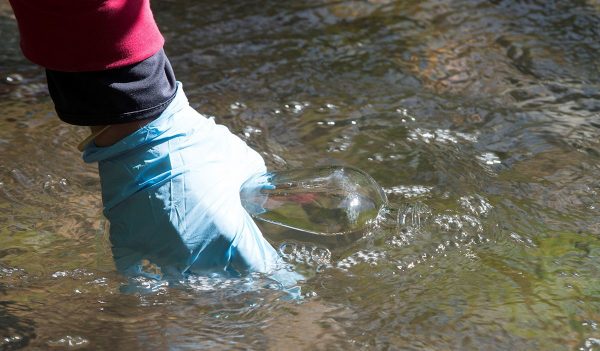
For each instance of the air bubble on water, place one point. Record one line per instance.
(9, 271)
(249, 130)
(395, 157)
(295, 107)
(489, 158)
(443, 136)
(13, 79)
(402, 111)
(144, 286)
(470, 254)
(413, 215)
(53, 185)
(48, 183)
(69, 341)
(371, 258)
(308, 254)
(409, 191)
(473, 222)
(456, 223)
(467, 137)
(63, 183)
(14, 339)
(522, 240)
(440, 248)
(59, 274)
(287, 249)
(236, 106)
(461, 231)
(310, 294)
(206, 283)
(75, 274)
(407, 264)
(340, 144)
(216, 282)
(476, 204)
(405, 116)
(591, 344)
(400, 240)
(346, 263)
(99, 282)
(327, 108)
(326, 123)
(377, 157)
(421, 134)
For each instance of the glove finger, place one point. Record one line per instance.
(252, 250)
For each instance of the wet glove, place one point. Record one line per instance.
(171, 193)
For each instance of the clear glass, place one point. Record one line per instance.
(330, 200)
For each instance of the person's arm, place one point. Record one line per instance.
(170, 177)
(112, 134)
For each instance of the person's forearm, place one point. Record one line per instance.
(117, 132)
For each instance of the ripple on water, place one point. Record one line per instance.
(409, 191)
(413, 215)
(369, 257)
(443, 136)
(12, 341)
(296, 107)
(489, 158)
(476, 204)
(309, 255)
(69, 342)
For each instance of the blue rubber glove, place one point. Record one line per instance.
(171, 192)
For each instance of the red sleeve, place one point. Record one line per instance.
(86, 35)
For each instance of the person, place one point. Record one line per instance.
(170, 177)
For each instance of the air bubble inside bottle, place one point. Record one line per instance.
(325, 201)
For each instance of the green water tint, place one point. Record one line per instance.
(327, 201)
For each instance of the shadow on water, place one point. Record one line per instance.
(16, 329)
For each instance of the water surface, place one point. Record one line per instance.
(481, 120)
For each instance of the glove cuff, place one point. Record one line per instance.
(145, 158)
(158, 130)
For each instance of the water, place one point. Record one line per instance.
(479, 119)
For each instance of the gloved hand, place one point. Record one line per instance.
(171, 194)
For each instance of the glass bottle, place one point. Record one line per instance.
(331, 200)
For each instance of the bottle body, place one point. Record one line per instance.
(331, 200)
